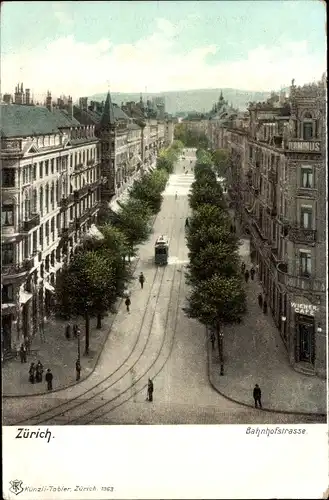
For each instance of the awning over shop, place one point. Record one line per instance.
(8, 305)
(49, 287)
(24, 296)
(115, 205)
(95, 232)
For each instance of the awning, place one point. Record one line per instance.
(95, 232)
(49, 287)
(8, 305)
(24, 296)
(113, 205)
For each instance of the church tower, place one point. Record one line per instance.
(107, 135)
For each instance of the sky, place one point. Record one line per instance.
(84, 48)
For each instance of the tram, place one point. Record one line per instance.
(161, 250)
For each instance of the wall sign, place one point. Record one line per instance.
(308, 309)
(304, 146)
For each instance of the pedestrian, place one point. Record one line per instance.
(128, 302)
(212, 340)
(176, 195)
(260, 300)
(186, 222)
(32, 373)
(78, 369)
(75, 330)
(68, 331)
(49, 379)
(150, 389)
(246, 275)
(265, 307)
(257, 394)
(27, 342)
(231, 228)
(22, 353)
(252, 273)
(38, 372)
(243, 267)
(141, 279)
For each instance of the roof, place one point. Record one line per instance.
(63, 119)
(23, 121)
(112, 113)
(107, 117)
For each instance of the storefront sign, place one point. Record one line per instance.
(304, 146)
(308, 309)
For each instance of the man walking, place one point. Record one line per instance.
(265, 307)
(141, 279)
(22, 353)
(260, 300)
(49, 379)
(246, 275)
(68, 331)
(128, 302)
(243, 267)
(212, 340)
(150, 389)
(252, 273)
(257, 394)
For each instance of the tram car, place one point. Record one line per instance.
(161, 250)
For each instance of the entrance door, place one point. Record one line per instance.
(306, 339)
(6, 332)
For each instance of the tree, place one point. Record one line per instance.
(133, 220)
(149, 188)
(177, 146)
(217, 301)
(220, 158)
(166, 160)
(206, 235)
(202, 194)
(87, 288)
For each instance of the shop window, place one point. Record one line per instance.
(7, 253)
(7, 215)
(7, 293)
(308, 130)
(305, 264)
(8, 177)
(307, 177)
(306, 217)
(41, 169)
(52, 165)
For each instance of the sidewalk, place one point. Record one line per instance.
(255, 354)
(59, 354)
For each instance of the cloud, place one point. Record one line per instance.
(156, 61)
(61, 14)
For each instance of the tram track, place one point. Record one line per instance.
(52, 415)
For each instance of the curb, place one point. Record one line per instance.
(82, 379)
(270, 410)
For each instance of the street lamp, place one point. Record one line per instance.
(319, 329)
(78, 336)
(221, 358)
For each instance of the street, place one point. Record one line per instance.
(155, 340)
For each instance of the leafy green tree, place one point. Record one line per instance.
(205, 235)
(217, 301)
(166, 161)
(134, 221)
(220, 158)
(87, 287)
(205, 193)
(177, 146)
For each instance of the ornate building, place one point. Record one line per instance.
(50, 197)
(278, 186)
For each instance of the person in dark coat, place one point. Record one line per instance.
(260, 300)
(75, 330)
(212, 340)
(68, 332)
(49, 379)
(128, 302)
(78, 369)
(265, 307)
(32, 373)
(22, 353)
(243, 267)
(246, 275)
(252, 273)
(141, 279)
(150, 389)
(257, 394)
(38, 372)
(186, 222)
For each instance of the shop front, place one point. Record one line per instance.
(304, 329)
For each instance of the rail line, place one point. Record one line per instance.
(66, 406)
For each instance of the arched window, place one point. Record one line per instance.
(47, 198)
(34, 201)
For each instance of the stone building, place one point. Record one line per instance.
(277, 181)
(50, 197)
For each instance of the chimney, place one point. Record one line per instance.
(22, 91)
(27, 97)
(70, 107)
(7, 98)
(18, 96)
(49, 101)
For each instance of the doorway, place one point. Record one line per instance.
(305, 326)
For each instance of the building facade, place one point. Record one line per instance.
(50, 197)
(277, 180)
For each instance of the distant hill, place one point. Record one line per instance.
(191, 100)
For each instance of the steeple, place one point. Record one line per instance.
(108, 113)
(221, 98)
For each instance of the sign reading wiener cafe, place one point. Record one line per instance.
(307, 309)
(304, 146)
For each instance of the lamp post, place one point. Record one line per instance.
(284, 319)
(78, 336)
(319, 329)
(220, 336)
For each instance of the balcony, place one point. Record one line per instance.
(32, 221)
(11, 147)
(299, 282)
(272, 177)
(302, 235)
(90, 162)
(78, 166)
(18, 269)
